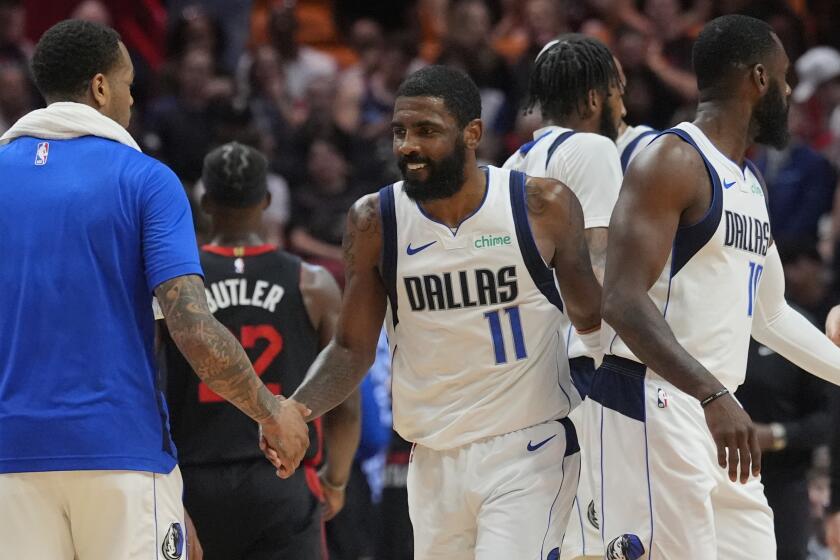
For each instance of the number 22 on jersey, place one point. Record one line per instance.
(249, 335)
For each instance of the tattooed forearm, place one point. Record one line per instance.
(210, 348)
(331, 379)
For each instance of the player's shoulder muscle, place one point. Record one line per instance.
(668, 169)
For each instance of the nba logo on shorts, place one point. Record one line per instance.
(661, 398)
(41, 153)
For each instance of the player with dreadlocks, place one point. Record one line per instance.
(577, 86)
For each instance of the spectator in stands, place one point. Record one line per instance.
(301, 64)
(790, 408)
(801, 182)
(93, 11)
(543, 21)
(319, 207)
(15, 96)
(195, 28)
(179, 127)
(818, 71)
(467, 46)
(276, 115)
(14, 46)
(366, 91)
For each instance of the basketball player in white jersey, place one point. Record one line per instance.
(577, 84)
(465, 264)
(691, 271)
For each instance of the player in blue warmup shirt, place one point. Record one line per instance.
(90, 229)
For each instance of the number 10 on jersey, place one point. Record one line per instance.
(495, 321)
(752, 286)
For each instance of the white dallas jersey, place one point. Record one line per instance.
(708, 286)
(588, 164)
(632, 141)
(474, 320)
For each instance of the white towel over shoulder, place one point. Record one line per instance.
(65, 119)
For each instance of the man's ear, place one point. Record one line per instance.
(760, 78)
(100, 90)
(473, 133)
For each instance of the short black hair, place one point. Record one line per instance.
(70, 54)
(728, 43)
(459, 93)
(235, 175)
(566, 71)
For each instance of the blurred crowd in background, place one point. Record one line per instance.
(311, 83)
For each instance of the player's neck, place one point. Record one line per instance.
(576, 123)
(727, 125)
(453, 210)
(236, 234)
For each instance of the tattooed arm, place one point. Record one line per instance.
(346, 359)
(222, 364)
(342, 424)
(557, 222)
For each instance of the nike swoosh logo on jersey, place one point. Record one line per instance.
(728, 185)
(415, 250)
(535, 446)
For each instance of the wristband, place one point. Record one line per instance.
(779, 436)
(333, 487)
(705, 402)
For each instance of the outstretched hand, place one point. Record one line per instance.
(735, 437)
(284, 436)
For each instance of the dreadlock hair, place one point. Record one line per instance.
(459, 93)
(566, 71)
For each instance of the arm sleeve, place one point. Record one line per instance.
(592, 170)
(784, 330)
(169, 246)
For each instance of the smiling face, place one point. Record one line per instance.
(431, 147)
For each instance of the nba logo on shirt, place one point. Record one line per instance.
(661, 398)
(41, 153)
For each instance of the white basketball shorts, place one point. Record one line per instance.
(662, 494)
(583, 535)
(498, 498)
(92, 515)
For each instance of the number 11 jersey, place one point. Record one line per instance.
(474, 320)
(255, 293)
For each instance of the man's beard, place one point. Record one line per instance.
(445, 177)
(607, 127)
(771, 118)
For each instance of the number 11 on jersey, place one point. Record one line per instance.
(495, 321)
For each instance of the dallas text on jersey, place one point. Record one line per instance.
(455, 290)
(747, 233)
